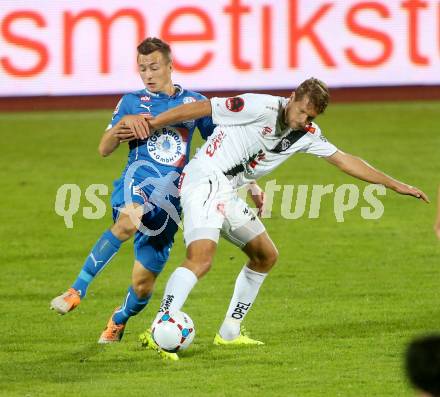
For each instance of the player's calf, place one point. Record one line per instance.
(262, 253)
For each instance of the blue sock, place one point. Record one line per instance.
(103, 251)
(132, 305)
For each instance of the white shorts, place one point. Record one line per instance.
(210, 204)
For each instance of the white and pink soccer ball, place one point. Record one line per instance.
(174, 331)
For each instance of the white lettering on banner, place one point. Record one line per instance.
(76, 47)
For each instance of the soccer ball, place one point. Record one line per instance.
(174, 331)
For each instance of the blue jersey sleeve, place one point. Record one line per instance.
(122, 108)
(205, 124)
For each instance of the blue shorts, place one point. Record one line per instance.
(151, 247)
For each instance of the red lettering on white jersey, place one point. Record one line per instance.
(266, 130)
(215, 144)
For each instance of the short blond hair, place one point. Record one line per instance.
(317, 92)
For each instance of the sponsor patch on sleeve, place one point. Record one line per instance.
(235, 104)
(188, 99)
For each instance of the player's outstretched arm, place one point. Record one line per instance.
(360, 169)
(186, 112)
(437, 222)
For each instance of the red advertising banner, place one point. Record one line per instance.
(89, 47)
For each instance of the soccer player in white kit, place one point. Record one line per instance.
(254, 134)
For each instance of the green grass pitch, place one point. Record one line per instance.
(336, 312)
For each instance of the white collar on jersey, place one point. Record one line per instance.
(177, 93)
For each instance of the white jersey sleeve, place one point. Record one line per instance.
(239, 110)
(319, 145)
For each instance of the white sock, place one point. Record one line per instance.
(178, 287)
(246, 290)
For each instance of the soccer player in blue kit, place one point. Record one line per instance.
(145, 198)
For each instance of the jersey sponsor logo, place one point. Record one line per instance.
(188, 99)
(235, 104)
(168, 146)
(148, 107)
(215, 143)
(323, 138)
(145, 98)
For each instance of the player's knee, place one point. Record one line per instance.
(203, 266)
(272, 256)
(264, 260)
(142, 290)
(143, 287)
(268, 259)
(124, 228)
(199, 265)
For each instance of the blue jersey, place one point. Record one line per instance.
(168, 148)
(152, 172)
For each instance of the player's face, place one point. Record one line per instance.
(155, 71)
(299, 113)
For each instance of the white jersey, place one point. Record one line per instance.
(250, 142)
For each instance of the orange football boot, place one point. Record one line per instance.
(66, 302)
(113, 332)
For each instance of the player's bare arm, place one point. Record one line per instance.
(189, 111)
(138, 124)
(113, 137)
(360, 169)
(127, 129)
(437, 222)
